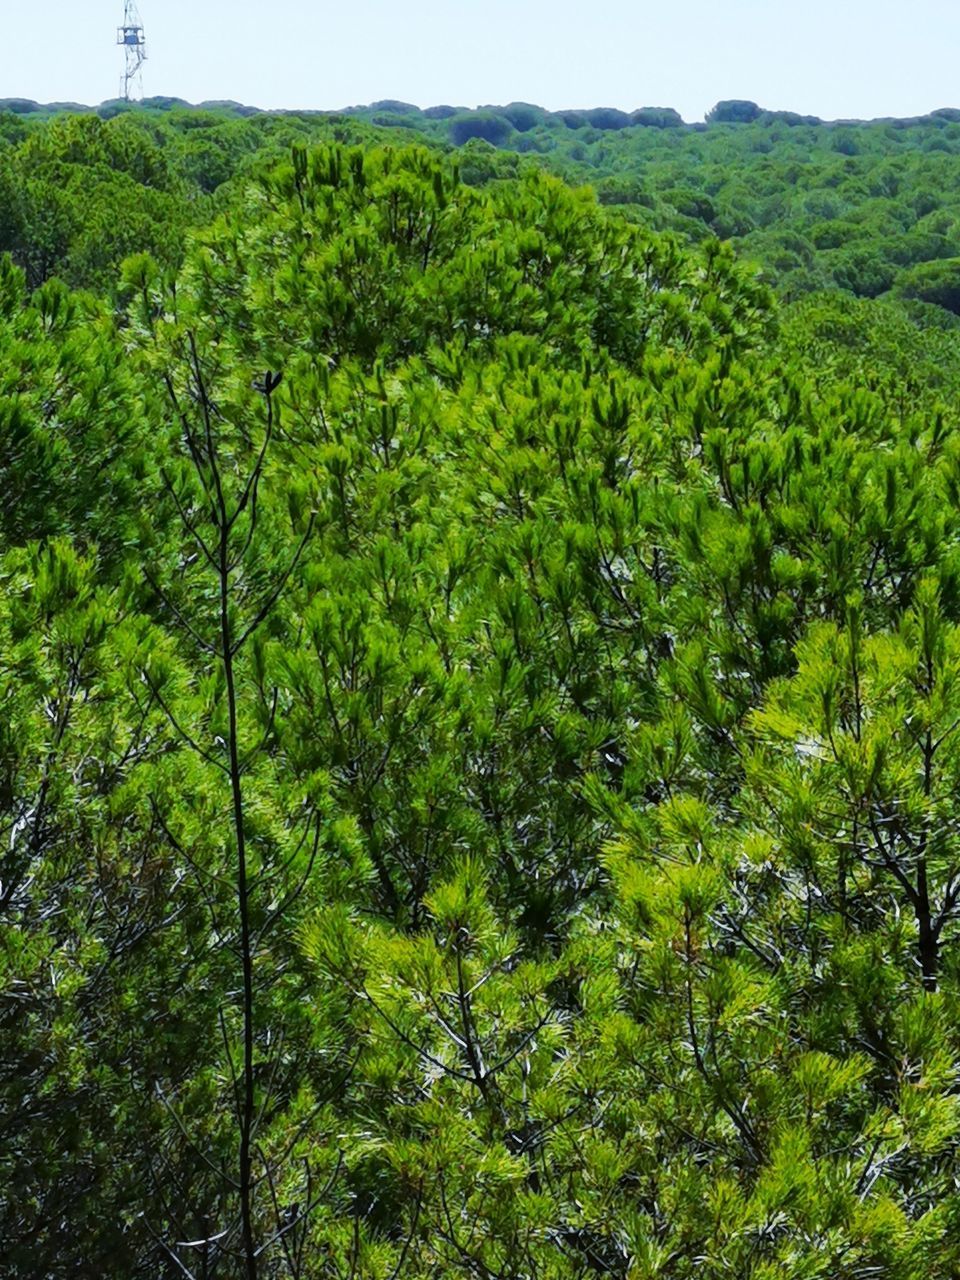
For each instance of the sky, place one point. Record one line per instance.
(831, 58)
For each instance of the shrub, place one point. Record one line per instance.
(734, 111)
(480, 124)
(658, 118)
(607, 118)
(524, 116)
(936, 282)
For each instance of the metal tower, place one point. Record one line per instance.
(131, 37)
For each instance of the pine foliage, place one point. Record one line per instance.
(479, 745)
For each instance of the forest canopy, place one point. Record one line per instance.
(479, 703)
(855, 206)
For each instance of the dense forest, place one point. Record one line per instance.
(479, 699)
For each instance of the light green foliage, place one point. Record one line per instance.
(551, 645)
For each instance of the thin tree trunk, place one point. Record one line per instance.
(247, 1102)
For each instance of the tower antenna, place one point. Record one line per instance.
(131, 37)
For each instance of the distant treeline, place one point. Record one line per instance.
(521, 117)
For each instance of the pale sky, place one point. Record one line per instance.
(832, 58)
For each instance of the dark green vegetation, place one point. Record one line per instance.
(479, 705)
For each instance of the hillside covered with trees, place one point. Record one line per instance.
(869, 208)
(479, 702)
